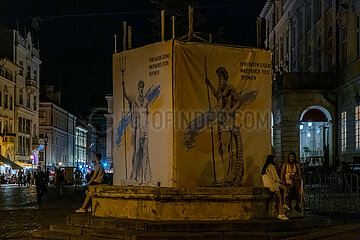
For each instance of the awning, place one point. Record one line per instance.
(9, 162)
(22, 164)
(314, 115)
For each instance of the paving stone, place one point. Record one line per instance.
(23, 215)
(250, 226)
(335, 232)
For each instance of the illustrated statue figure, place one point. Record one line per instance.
(141, 171)
(229, 136)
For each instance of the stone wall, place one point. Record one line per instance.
(212, 203)
(287, 106)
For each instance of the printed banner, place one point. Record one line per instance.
(191, 115)
(223, 106)
(142, 97)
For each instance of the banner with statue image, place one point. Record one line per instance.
(223, 114)
(142, 97)
(191, 115)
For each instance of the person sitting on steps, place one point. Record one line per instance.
(271, 180)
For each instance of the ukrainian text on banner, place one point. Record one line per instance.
(223, 113)
(142, 101)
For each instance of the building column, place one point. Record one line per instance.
(290, 138)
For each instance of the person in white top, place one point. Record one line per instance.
(97, 178)
(271, 180)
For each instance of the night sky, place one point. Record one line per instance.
(76, 38)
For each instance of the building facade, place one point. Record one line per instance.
(7, 110)
(91, 143)
(21, 50)
(98, 120)
(348, 20)
(109, 131)
(58, 126)
(80, 145)
(315, 58)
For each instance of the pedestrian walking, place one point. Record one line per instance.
(47, 177)
(28, 178)
(59, 180)
(78, 178)
(32, 178)
(40, 184)
(20, 177)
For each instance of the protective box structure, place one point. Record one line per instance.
(189, 114)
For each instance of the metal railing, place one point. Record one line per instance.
(331, 191)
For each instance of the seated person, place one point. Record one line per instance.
(97, 178)
(274, 183)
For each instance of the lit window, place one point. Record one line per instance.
(357, 127)
(343, 131)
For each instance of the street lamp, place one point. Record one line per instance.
(46, 138)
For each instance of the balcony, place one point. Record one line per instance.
(35, 52)
(6, 74)
(31, 84)
(8, 137)
(305, 81)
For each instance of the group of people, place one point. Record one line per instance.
(22, 179)
(287, 187)
(25, 179)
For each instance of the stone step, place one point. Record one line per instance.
(73, 232)
(332, 232)
(92, 231)
(269, 225)
(209, 236)
(66, 229)
(47, 234)
(97, 234)
(81, 233)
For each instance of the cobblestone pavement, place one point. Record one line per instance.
(20, 214)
